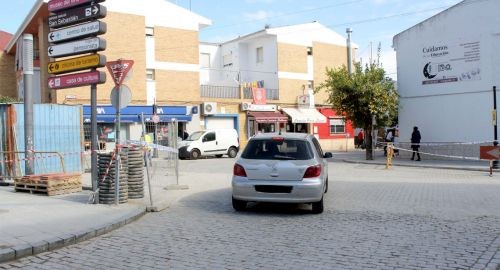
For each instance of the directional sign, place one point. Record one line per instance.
(77, 47)
(119, 70)
(80, 31)
(77, 15)
(78, 79)
(55, 5)
(76, 64)
(489, 152)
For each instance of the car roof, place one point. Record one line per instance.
(301, 136)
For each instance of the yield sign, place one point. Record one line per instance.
(119, 69)
(489, 152)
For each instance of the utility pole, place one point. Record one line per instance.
(28, 103)
(495, 122)
(349, 50)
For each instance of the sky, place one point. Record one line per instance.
(373, 22)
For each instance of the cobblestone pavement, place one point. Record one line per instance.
(403, 218)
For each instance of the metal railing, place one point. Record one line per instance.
(233, 92)
(214, 91)
(11, 162)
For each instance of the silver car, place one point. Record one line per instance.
(287, 168)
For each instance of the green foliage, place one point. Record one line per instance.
(362, 94)
(5, 99)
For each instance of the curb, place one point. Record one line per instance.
(421, 166)
(53, 243)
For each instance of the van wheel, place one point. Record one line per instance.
(195, 154)
(218, 156)
(317, 207)
(232, 152)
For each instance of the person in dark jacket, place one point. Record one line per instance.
(415, 143)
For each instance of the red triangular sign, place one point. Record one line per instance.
(119, 70)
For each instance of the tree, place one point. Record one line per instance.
(362, 95)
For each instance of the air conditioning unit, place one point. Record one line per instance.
(209, 108)
(245, 106)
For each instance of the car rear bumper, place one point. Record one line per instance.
(305, 191)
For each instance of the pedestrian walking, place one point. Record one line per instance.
(415, 143)
(361, 139)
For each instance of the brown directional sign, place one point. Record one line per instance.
(55, 5)
(77, 15)
(489, 152)
(77, 63)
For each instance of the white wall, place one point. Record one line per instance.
(465, 41)
(267, 70)
(213, 74)
(159, 13)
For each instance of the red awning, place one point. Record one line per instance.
(268, 117)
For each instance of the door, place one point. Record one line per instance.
(209, 143)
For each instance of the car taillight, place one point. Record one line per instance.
(313, 171)
(238, 170)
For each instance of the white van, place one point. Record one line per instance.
(215, 142)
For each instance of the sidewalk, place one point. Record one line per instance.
(359, 156)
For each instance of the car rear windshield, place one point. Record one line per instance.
(285, 149)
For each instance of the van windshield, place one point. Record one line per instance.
(195, 136)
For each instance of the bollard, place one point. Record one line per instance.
(390, 154)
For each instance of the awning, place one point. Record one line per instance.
(305, 115)
(268, 117)
(137, 118)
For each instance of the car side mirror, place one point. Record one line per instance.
(327, 155)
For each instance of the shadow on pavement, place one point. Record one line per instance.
(219, 201)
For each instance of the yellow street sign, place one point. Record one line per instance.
(76, 64)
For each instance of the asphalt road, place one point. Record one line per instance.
(403, 218)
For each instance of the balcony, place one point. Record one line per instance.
(233, 92)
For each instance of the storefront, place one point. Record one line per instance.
(131, 119)
(301, 119)
(265, 122)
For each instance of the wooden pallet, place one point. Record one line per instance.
(49, 184)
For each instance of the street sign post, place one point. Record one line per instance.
(77, 47)
(55, 5)
(76, 64)
(78, 19)
(77, 15)
(76, 80)
(80, 31)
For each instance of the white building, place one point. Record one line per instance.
(447, 67)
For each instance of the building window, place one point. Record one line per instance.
(337, 125)
(227, 60)
(150, 74)
(260, 55)
(150, 31)
(205, 60)
(309, 50)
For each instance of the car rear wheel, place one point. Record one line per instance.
(232, 152)
(239, 205)
(195, 154)
(317, 207)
